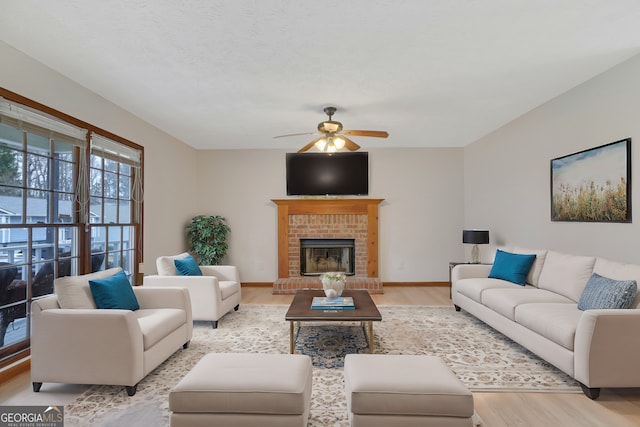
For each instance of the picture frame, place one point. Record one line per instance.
(593, 185)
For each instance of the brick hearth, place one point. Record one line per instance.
(327, 219)
(292, 284)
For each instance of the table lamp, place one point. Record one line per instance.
(477, 237)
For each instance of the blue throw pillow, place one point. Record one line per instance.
(187, 266)
(114, 292)
(511, 267)
(602, 292)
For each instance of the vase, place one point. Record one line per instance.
(336, 285)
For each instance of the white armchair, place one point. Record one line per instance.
(74, 342)
(213, 294)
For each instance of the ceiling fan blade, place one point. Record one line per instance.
(295, 134)
(376, 133)
(309, 145)
(349, 144)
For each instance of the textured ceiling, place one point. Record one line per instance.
(233, 74)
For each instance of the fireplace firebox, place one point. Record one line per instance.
(318, 256)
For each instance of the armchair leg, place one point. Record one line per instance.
(456, 307)
(591, 393)
(36, 387)
(236, 307)
(186, 345)
(214, 324)
(131, 389)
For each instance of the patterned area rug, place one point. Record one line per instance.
(328, 344)
(482, 358)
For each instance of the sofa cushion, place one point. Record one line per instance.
(157, 323)
(474, 287)
(619, 271)
(566, 274)
(187, 266)
(556, 322)
(74, 291)
(605, 293)
(536, 268)
(114, 292)
(166, 266)
(511, 267)
(505, 301)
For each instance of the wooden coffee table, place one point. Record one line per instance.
(365, 312)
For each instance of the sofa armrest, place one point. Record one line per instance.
(469, 271)
(607, 348)
(175, 296)
(196, 285)
(222, 272)
(111, 339)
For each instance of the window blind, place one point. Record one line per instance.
(116, 151)
(27, 119)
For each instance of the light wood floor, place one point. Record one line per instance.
(614, 408)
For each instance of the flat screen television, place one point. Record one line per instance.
(328, 174)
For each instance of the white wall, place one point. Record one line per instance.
(419, 220)
(170, 190)
(507, 173)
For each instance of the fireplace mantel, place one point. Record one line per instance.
(287, 207)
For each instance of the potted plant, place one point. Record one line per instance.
(207, 236)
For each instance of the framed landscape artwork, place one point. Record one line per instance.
(593, 185)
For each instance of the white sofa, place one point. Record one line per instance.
(213, 294)
(599, 348)
(88, 345)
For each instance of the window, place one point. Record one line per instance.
(70, 203)
(115, 191)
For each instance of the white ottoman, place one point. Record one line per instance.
(233, 390)
(404, 391)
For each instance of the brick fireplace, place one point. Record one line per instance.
(327, 219)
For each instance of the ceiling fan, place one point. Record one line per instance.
(332, 136)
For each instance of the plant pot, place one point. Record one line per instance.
(336, 285)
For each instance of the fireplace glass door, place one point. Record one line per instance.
(318, 256)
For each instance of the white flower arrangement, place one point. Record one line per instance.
(334, 276)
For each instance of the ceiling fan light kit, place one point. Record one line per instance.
(333, 137)
(330, 144)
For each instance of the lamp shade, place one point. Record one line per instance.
(477, 237)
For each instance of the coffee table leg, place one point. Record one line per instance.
(291, 341)
(367, 329)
